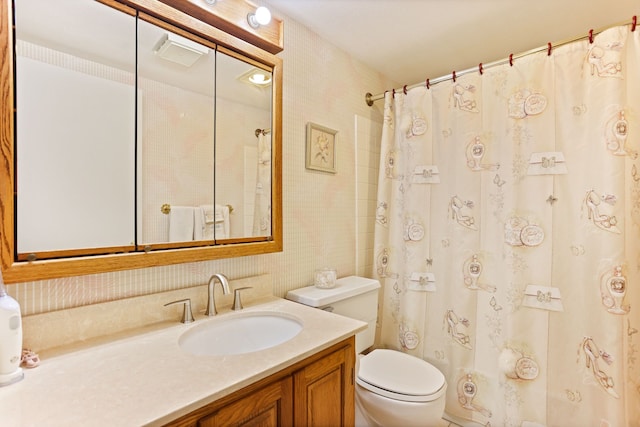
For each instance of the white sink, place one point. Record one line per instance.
(239, 334)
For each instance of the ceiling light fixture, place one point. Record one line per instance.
(260, 79)
(256, 77)
(262, 16)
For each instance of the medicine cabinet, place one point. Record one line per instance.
(137, 133)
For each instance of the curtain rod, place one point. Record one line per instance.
(370, 99)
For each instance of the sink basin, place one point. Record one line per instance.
(239, 334)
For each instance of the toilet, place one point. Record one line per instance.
(392, 388)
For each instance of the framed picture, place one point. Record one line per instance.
(321, 148)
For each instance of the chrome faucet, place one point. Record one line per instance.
(211, 304)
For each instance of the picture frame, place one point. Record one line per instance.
(321, 148)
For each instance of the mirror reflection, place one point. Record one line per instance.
(243, 145)
(111, 156)
(176, 93)
(75, 121)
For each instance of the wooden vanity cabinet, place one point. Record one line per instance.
(317, 391)
(267, 407)
(324, 391)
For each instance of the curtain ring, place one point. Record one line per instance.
(427, 83)
(634, 22)
(480, 68)
(454, 76)
(549, 49)
(393, 93)
(591, 36)
(511, 59)
(404, 89)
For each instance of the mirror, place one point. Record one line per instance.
(197, 103)
(176, 143)
(243, 145)
(125, 124)
(75, 127)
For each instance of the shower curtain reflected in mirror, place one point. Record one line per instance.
(262, 206)
(508, 235)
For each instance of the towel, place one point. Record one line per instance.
(211, 224)
(181, 223)
(222, 222)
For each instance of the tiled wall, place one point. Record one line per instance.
(324, 85)
(368, 133)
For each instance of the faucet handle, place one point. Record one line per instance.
(237, 303)
(187, 315)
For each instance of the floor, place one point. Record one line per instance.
(443, 423)
(451, 421)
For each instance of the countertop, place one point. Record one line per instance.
(146, 379)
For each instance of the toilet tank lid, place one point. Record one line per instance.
(345, 287)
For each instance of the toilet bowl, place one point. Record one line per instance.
(392, 388)
(397, 389)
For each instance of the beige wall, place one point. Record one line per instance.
(324, 85)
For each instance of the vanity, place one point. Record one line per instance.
(143, 377)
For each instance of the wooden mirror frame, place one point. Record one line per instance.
(203, 24)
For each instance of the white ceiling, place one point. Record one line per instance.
(411, 40)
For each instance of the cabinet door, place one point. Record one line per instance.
(270, 406)
(324, 391)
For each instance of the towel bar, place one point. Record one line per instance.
(166, 208)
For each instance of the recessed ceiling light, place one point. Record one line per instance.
(257, 77)
(260, 78)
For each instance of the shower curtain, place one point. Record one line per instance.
(262, 206)
(508, 235)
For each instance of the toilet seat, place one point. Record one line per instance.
(400, 376)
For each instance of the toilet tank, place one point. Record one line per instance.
(353, 296)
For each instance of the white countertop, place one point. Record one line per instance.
(146, 379)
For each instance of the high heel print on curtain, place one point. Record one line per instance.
(467, 391)
(451, 323)
(464, 98)
(605, 61)
(456, 211)
(592, 204)
(613, 287)
(592, 354)
(471, 270)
